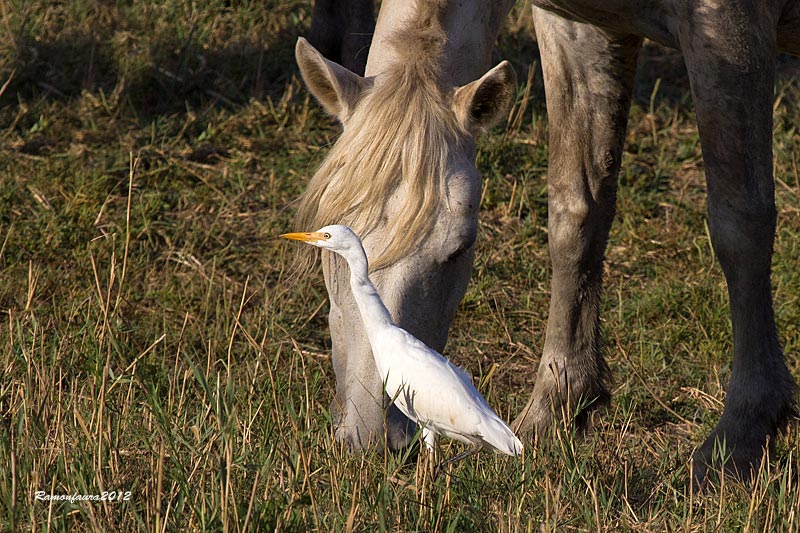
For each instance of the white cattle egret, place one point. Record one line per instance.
(424, 385)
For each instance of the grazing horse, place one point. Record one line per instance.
(589, 50)
(403, 166)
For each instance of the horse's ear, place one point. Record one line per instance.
(480, 104)
(336, 88)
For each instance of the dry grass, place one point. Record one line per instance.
(154, 342)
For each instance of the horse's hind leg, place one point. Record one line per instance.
(730, 59)
(588, 77)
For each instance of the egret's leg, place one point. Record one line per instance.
(430, 440)
(456, 458)
(429, 437)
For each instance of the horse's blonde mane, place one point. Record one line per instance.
(399, 135)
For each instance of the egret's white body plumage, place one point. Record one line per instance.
(423, 384)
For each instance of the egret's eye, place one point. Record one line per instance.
(326, 235)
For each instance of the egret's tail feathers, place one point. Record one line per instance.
(499, 436)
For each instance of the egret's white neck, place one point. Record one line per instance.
(374, 314)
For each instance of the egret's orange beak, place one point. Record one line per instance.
(305, 237)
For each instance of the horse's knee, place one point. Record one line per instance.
(568, 216)
(580, 217)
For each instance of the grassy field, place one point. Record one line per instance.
(155, 345)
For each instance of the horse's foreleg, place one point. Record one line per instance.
(731, 68)
(588, 77)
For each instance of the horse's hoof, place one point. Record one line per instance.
(736, 449)
(742, 440)
(560, 399)
(712, 461)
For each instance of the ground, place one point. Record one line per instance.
(157, 345)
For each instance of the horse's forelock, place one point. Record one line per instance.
(420, 42)
(400, 133)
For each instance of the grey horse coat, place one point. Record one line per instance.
(589, 50)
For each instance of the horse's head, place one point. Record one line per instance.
(403, 176)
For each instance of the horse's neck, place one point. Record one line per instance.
(471, 27)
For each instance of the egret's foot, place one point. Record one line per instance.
(737, 446)
(568, 400)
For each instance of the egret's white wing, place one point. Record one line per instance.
(429, 389)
